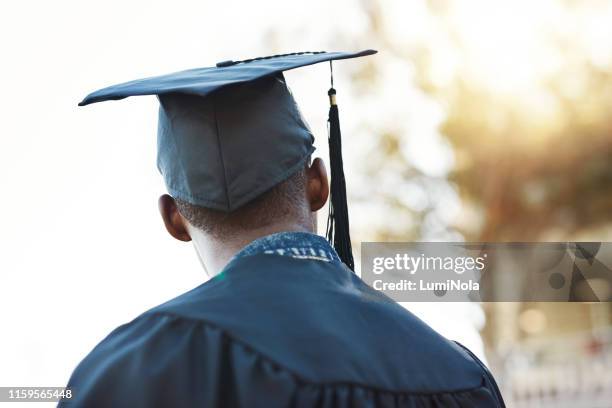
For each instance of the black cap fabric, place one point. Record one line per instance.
(227, 133)
(203, 81)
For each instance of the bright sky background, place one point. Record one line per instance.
(82, 247)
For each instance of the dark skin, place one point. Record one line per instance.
(214, 253)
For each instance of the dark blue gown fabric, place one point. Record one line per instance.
(275, 331)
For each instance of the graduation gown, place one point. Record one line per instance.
(278, 331)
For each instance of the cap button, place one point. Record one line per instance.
(225, 63)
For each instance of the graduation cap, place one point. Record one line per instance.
(228, 133)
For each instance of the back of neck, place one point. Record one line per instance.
(216, 252)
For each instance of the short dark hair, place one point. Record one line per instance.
(283, 201)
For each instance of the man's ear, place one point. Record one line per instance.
(317, 186)
(174, 222)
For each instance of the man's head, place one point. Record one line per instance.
(228, 132)
(288, 206)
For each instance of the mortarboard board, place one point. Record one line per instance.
(228, 133)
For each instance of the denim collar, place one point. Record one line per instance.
(300, 245)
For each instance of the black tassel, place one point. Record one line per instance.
(337, 222)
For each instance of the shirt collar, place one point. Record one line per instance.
(300, 245)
